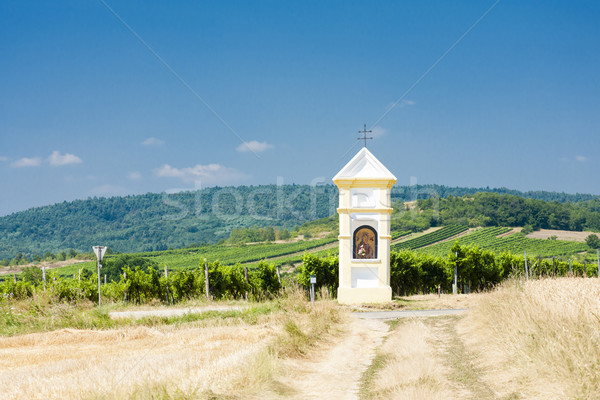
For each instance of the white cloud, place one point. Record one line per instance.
(377, 132)
(27, 162)
(152, 141)
(254, 146)
(56, 159)
(108, 191)
(207, 174)
(134, 176)
(581, 158)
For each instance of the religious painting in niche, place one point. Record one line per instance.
(365, 243)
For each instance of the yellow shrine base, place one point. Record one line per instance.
(381, 294)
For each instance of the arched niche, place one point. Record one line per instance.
(364, 242)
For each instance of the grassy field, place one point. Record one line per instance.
(539, 339)
(523, 340)
(535, 339)
(230, 354)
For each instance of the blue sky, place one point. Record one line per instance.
(235, 92)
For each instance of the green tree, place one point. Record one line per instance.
(32, 275)
(593, 241)
(270, 234)
(284, 234)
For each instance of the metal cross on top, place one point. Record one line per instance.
(364, 132)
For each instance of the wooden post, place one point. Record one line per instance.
(167, 282)
(540, 265)
(553, 265)
(99, 291)
(278, 275)
(584, 268)
(125, 282)
(207, 287)
(79, 279)
(455, 285)
(15, 277)
(105, 279)
(44, 276)
(570, 270)
(526, 270)
(247, 280)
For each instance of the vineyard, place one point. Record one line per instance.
(488, 238)
(482, 259)
(430, 238)
(249, 255)
(230, 255)
(398, 234)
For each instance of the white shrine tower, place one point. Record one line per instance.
(365, 208)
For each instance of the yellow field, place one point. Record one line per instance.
(202, 359)
(539, 339)
(130, 361)
(524, 340)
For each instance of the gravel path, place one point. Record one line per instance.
(407, 313)
(336, 373)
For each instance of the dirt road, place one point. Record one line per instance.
(335, 373)
(421, 357)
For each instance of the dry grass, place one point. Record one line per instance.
(409, 366)
(538, 339)
(207, 358)
(128, 362)
(423, 302)
(560, 235)
(304, 324)
(41, 313)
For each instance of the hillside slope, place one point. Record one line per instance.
(152, 222)
(159, 221)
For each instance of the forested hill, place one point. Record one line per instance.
(409, 193)
(160, 221)
(491, 209)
